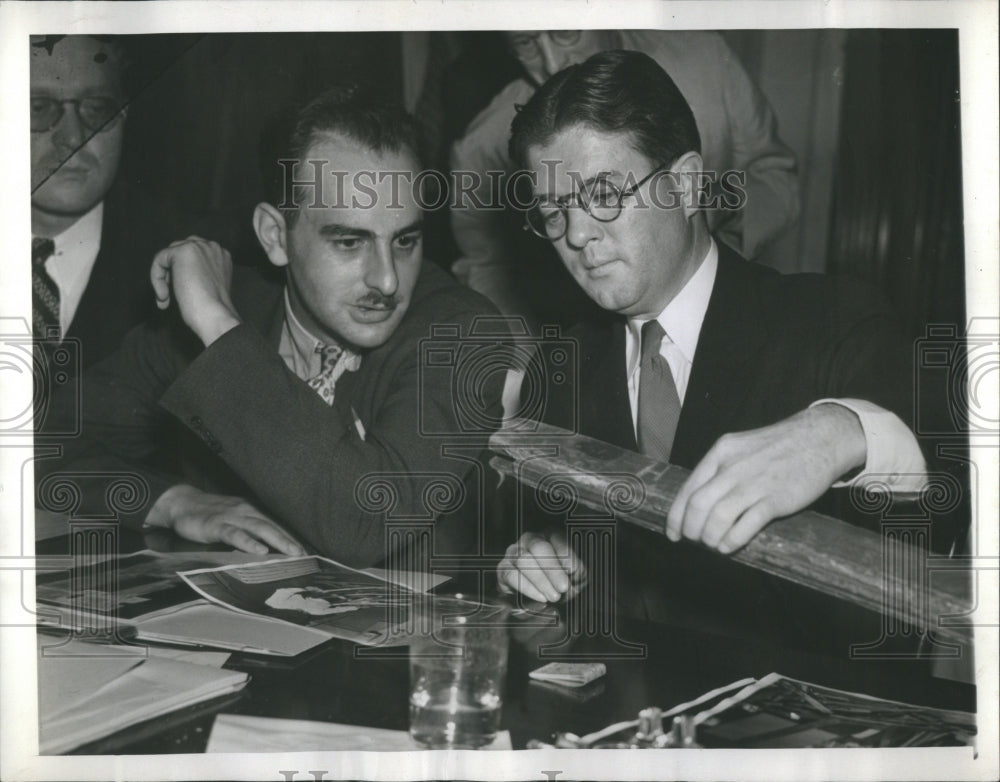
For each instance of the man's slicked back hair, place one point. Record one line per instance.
(615, 92)
(352, 111)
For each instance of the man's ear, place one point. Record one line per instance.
(690, 168)
(272, 233)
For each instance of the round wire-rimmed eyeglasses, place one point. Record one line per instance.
(548, 218)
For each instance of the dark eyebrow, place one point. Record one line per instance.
(334, 230)
(589, 181)
(416, 225)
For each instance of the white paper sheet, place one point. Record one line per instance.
(240, 733)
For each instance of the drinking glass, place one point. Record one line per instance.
(458, 660)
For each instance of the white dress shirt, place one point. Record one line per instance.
(892, 449)
(298, 348)
(76, 249)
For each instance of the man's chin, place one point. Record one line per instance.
(608, 296)
(369, 335)
(70, 202)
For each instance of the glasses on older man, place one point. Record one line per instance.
(95, 114)
(601, 199)
(525, 45)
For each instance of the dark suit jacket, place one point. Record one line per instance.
(118, 295)
(234, 419)
(770, 345)
(117, 298)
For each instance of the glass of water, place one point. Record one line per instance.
(458, 660)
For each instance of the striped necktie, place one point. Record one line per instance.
(335, 362)
(659, 405)
(44, 292)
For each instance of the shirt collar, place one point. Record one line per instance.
(303, 344)
(85, 231)
(82, 240)
(682, 318)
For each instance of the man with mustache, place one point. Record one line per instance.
(256, 408)
(93, 234)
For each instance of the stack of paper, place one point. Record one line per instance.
(88, 691)
(204, 624)
(143, 594)
(241, 733)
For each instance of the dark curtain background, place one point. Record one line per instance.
(897, 214)
(898, 222)
(201, 102)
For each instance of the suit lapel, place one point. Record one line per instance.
(97, 325)
(731, 335)
(258, 298)
(85, 326)
(605, 413)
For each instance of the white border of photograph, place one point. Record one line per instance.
(977, 24)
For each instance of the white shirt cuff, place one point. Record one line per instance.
(894, 459)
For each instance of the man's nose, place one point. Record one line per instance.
(69, 132)
(553, 57)
(380, 270)
(581, 228)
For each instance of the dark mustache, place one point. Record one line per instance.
(376, 299)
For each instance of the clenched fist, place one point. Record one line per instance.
(198, 275)
(541, 568)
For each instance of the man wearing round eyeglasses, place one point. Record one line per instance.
(771, 388)
(77, 129)
(93, 234)
(543, 53)
(736, 124)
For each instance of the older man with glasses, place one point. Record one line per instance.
(751, 206)
(93, 235)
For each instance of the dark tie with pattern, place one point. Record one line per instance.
(659, 405)
(44, 292)
(45, 325)
(336, 360)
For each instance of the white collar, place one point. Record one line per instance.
(75, 252)
(304, 342)
(682, 318)
(76, 248)
(85, 231)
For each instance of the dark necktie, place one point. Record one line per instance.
(44, 292)
(45, 325)
(659, 405)
(336, 360)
